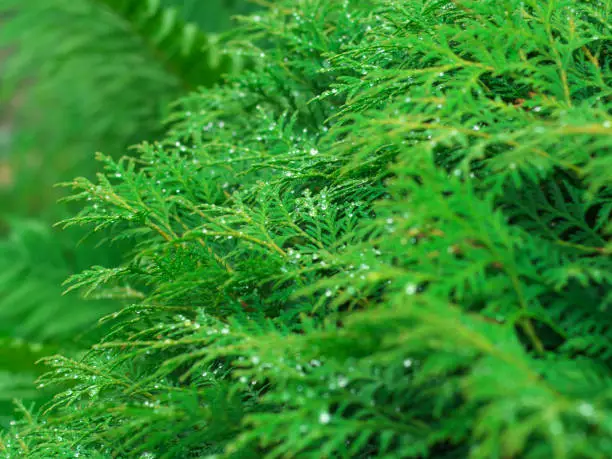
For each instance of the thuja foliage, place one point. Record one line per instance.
(79, 75)
(390, 239)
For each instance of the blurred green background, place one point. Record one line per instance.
(76, 77)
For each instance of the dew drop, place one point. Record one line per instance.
(324, 417)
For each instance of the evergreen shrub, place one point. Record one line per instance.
(391, 238)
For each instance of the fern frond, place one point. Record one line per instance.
(105, 83)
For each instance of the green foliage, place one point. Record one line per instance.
(78, 76)
(36, 319)
(211, 15)
(32, 264)
(113, 68)
(389, 239)
(17, 371)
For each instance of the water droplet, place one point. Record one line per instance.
(324, 417)
(407, 363)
